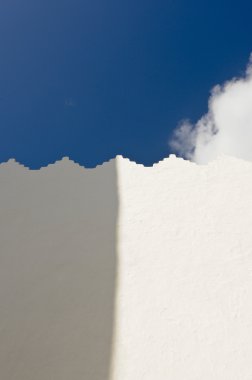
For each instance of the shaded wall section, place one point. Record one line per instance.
(58, 265)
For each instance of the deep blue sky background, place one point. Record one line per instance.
(92, 79)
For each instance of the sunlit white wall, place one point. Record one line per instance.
(125, 272)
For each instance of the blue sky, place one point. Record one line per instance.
(92, 79)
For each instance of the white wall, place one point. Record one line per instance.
(126, 272)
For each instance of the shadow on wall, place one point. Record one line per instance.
(58, 237)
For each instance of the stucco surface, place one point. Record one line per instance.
(125, 272)
(57, 271)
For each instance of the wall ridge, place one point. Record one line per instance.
(12, 162)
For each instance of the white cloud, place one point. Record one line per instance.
(225, 129)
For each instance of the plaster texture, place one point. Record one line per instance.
(125, 272)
